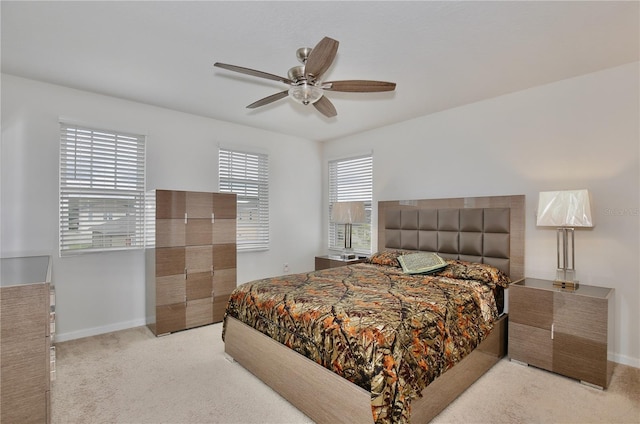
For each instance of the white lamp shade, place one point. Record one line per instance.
(568, 208)
(348, 212)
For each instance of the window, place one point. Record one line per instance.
(102, 183)
(247, 175)
(351, 179)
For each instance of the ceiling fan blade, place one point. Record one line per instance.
(252, 72)
(269, 99)
(360, 86)
(325, 107)
(320, 58)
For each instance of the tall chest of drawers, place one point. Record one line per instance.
(191, 269)
(564, 331)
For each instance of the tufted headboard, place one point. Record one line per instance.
(477, 229)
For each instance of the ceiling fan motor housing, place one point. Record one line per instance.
(296, 74)
(303, 54)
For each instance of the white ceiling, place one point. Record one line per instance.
(440, 54)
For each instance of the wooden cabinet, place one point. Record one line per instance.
(329, 261)
(191, 270)
(26, 326)
(560, 330)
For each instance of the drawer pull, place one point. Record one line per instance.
(552, 330)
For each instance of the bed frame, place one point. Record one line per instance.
(482, 229)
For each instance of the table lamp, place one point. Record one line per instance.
(565, 210)
(348, 213)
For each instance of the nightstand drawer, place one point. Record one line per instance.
(530, 306)
(531, 345)
(580, 358)
(583, 317)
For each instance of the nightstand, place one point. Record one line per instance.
(331, 261)
(560, 330)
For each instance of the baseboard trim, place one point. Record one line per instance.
(94, 331)
(624, 360)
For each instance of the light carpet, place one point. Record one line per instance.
(133, 377)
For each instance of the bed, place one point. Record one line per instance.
(377, 348)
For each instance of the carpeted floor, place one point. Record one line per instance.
(133, 377)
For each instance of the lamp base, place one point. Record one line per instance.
(567, 285)
(347, 254)
(565, 279)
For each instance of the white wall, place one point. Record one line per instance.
(104, 292)
(577, 133)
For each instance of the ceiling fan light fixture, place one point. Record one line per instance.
(305, 93)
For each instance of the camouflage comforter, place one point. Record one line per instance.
(388, 332)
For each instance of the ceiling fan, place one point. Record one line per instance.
(304, 80)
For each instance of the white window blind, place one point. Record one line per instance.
(351, 179)
(247, 175)
(102, 183)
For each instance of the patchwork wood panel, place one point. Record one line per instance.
(224, 206)
(183, 288)
(170, 289)
(22, 312)
(170, 204)
(199, 285)
(531, 307)
(199, 232)
(219, 307)
(589, 365)
(224, 280)
(224, 231)
(199, 205)
(572, 312)
(199, 259)
(170, 232)
(199, 312)
(170, 318)
(170, 261)
(224, 256)
(531, 345)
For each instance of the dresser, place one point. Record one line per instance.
(191, 259)
(560, 330)
(27, 325)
